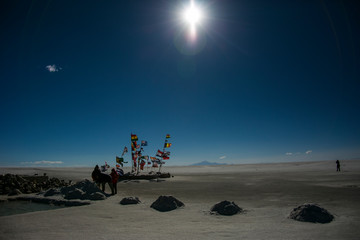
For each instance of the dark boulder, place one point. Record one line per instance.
(166, 203)
(130, 200)
(14, 192)
(88, 189)
(97, 196)
(226, 208)
(311, 213)
(52, 192)
(75, 194)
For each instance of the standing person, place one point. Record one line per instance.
(115, 178)
(95, 175)
(337, 165)
(102, 178)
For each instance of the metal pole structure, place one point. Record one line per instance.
(163, 152)
(132, 154)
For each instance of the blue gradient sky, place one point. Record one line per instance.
(266, 81)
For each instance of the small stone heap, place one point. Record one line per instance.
(16, 184)
(226, 208)
(311, 213)
(83, 190)
(166, 203)
(130, 200)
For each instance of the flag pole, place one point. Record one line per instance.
(132, 154)
(163, 152)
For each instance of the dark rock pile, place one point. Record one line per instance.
(16, 184)
(166, 203)
(226, 208)
(83, 190)
(130, 200)
(311, 213)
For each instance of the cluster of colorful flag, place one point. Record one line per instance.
(139, 161)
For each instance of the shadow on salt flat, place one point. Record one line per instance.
(8, 208)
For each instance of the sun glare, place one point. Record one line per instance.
(192, 15)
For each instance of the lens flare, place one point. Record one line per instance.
(192, 16)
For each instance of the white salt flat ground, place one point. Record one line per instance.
(268, 193)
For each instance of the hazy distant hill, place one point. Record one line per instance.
(203, 163)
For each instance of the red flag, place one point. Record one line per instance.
(159, 153)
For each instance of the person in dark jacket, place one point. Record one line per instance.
(95, 174)
(102, 178)
(337, 165)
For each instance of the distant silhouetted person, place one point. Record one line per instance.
(337, 165)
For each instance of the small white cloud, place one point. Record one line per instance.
(288, 154)
(48, 162)
(43, 162)
(53, 68)
(222, 157)
(308, 151)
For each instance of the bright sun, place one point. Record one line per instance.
(193, 16)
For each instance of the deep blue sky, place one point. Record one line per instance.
(270, 81)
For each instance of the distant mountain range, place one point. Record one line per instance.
(205, 163)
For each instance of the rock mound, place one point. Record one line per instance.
(130, 200)
(52, 192)
(28, 184)
(226, 208)
(84, 190)
(166, 203)
(97, 196)
(311, 213)
(75, 194)
(14, 192)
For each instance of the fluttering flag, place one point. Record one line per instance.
(137, 146)
(165, 158)
(167, 135)
(125, 150)
(133, 146)
(134, 137)
(120, 171)
(155, 164)
(145, 157)
(120, 160)
(158, 161)
(159, 153)
(144, 143)
(167, 145)
(153, 158)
